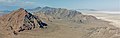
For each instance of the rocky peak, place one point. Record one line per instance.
(21, 9)
(20, 20)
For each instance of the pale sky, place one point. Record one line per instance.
(111, 5)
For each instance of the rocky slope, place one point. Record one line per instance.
(20, 20)
(87, 26)
(64, 14)
(56, 12)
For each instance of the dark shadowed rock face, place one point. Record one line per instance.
(20, 20)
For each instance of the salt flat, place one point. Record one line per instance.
(112, 17)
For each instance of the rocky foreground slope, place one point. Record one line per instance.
(20, 20)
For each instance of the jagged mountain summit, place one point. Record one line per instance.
(64, 14)
(20, 20)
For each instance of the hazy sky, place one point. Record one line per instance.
(69, 4)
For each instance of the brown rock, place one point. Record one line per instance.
(20, 20)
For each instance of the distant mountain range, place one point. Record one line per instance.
(41, 8)
(34, 9)
(86, 10)
(5, 11)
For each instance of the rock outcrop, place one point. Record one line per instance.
(20, 20)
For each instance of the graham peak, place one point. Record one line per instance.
(20, 20)
(21, 8)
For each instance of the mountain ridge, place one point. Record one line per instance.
(20, 20)
(64, 14)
